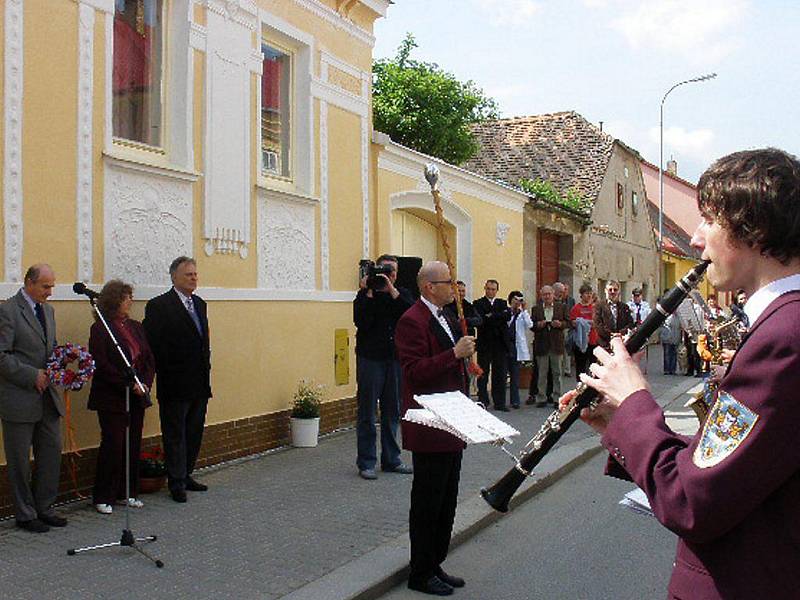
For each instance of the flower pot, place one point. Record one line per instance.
(525, 376)
(305, 432)
(150, 485)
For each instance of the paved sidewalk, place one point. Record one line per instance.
(296, 522)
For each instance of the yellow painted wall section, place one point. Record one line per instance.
(489, 259)
(49, 135)
(98, 141)
(257, 357)
(345, 203)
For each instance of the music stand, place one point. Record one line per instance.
(127, 538)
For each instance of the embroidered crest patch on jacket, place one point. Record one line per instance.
(726, 427)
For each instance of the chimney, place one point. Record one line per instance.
(601, 126)
(672, 167)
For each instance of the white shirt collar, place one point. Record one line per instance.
(31, 302)
(184, 298)
(431, 306)
(758, 302)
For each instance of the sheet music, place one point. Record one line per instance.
(457, 414)
(637, 501)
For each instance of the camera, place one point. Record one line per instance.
(368, 269)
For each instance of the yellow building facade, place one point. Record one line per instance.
(238, 132)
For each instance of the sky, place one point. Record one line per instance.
(613, 61)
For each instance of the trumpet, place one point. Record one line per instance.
(499, 495)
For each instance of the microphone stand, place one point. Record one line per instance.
(127, 539)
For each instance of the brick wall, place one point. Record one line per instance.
(221, 442)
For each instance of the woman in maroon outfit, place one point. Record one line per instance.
(107, 395)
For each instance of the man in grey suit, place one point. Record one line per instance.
(30, 406)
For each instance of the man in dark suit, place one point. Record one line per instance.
(177, 330)
(550, 319)
(471, 316)
(731, 491)
(494, 345)
(432, 355)
(611, 315)
(30, 406)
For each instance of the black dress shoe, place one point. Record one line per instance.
(456, 582)
(178, 495)
(501, 408)
(433, 586)
(53, 520)
(195, 486)
(34, 526)
(530, 401)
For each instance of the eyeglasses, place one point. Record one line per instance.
(447, 281)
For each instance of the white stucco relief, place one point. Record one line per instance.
(148, 222)
(286, 244)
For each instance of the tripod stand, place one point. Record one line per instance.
(127, 538)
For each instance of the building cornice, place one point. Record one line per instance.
(334, 18)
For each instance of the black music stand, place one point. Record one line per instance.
(127, 539)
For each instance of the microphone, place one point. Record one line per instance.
(80, 288)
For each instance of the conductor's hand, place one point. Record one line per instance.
(616, 377)
(42, 381)
(465, 347)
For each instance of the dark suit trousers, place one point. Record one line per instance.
(33, 498)
(109, 480)
(493, 360)
(434, 493)
(182, 423)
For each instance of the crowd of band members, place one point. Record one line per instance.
(172, 343)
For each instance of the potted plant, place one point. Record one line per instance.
(304, 418)
(152, 470)
(525, 374)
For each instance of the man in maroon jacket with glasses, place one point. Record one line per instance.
(432, 354)
(731, 492)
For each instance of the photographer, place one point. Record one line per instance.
(376, 310)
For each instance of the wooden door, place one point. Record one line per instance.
(546, 259)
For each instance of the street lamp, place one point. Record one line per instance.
(661, 173)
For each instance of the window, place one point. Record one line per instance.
(275, 111)
(635, 203)
(620, 198)
(138, 71)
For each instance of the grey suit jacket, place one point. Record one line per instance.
(24, 350)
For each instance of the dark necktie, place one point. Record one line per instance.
(512, 328)
(193, 314)
(638, 314)
(39, 310)
(440, 313)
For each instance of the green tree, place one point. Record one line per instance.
(423, 107)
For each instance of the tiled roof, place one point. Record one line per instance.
(676, 239)
(562, 148)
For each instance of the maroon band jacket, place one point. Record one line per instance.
(429, 366)
(731, 492)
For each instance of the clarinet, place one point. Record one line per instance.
(499, 495)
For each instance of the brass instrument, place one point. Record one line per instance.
(720, 335)
(499, 495)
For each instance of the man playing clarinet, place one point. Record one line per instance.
(730, 492)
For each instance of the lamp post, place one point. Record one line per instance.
(661, 173)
